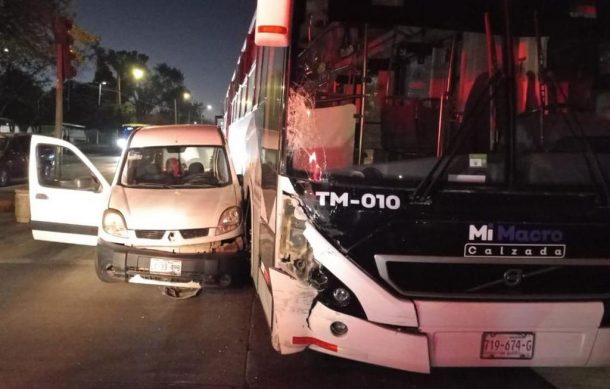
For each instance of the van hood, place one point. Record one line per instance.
(172, 209)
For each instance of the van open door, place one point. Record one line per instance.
(67, 193)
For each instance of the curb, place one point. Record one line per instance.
(7, 197)
(7, 203)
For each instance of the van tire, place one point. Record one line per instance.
(234, 275)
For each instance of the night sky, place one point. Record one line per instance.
(202, 38)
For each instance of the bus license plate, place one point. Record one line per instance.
(507, 345)
(166, 266)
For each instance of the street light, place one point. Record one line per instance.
(185, 96)
(208, 107)
(137, 73)
(99, 93)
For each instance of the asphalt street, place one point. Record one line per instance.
(61, 327)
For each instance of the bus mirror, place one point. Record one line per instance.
(273, 23)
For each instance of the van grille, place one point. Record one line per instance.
(150, 234)
(194, 233)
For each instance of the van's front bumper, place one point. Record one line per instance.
(127, 263)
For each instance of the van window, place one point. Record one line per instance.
(175, 166)
(59, 167)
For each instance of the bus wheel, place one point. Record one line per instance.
(248, 225)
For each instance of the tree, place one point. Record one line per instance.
(27, 53)
(163, 89)
(21, 97)
(122, 63)
(149, 100)
(26, 31)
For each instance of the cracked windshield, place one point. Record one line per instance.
(397, 104)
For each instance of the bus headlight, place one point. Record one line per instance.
(229, 220)
(295, 251)
(297, 259)
(113, 223)
(342, 297)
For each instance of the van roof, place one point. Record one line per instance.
(179, 134)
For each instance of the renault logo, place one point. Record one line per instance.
(513, 277)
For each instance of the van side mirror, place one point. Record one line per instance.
(87, 183)
(240, 179)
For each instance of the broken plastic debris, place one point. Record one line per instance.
(180, 293)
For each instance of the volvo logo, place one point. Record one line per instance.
(171, 237)
(513, 277)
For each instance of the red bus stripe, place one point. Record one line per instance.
(273, 29)
(317, 342)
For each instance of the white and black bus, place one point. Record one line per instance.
(427, 181)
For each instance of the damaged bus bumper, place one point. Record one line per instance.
(416, 335)
(562, 334)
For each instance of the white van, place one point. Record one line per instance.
(171, 217)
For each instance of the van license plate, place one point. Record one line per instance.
(166, 266)
(507, 345)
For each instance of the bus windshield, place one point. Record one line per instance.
(404, 96)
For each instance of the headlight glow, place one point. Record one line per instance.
(229, 220)
(121, 142)
(113, 223)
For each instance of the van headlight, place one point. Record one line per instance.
(229, 220)
(113, 223)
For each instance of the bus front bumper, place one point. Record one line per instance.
(451, 334)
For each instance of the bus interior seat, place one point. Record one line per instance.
(399, 125)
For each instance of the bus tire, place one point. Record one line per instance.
(248, 224)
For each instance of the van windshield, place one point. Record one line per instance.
(176, 166)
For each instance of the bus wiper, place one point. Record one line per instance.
(427, 186)
(593, 165)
